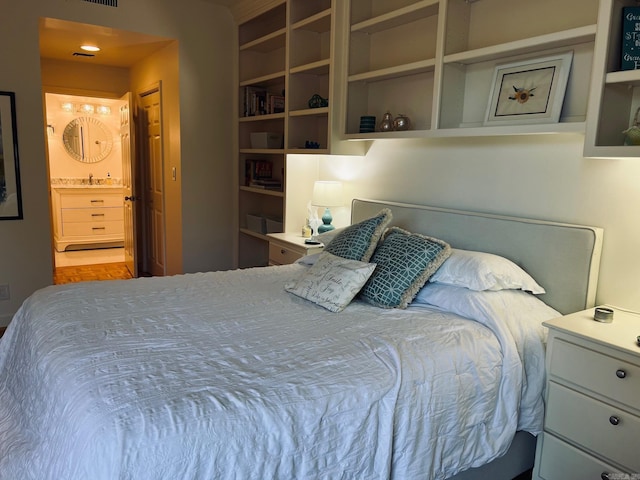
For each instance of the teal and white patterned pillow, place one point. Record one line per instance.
(332, 281)
(405, 261)
(358, 241)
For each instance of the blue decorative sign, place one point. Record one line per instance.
(630, 38)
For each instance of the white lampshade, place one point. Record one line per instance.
(327, 194)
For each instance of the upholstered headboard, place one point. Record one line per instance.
(563, 258)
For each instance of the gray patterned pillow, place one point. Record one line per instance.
(358, 241)
(405, 261)
(332, 282)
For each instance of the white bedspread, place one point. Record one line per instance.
(226, 376)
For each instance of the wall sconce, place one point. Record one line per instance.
(327, 194)
(86, 108)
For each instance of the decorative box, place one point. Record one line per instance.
(266, 140)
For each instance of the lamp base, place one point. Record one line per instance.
(326, 222)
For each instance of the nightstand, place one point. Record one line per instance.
(286, 248)
(592, 418)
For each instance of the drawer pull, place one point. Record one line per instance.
(97, 214)
(98, 228)
(97, 201)
(613, 420)
(283, 251)
(621, 373)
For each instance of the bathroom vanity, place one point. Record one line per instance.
(87, 216)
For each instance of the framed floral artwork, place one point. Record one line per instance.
(529, 91)
(10, 197)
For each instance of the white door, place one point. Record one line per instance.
(153, 160)
(128, 185)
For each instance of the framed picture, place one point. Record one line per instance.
(10, 198)
(529, 91)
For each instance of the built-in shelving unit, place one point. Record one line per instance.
(615, 94)
(431, 60)
(287, 52)
(434, 61)
(392, 57)
(262, 74)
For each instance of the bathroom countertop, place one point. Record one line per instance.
(85, 183)
(92, 186)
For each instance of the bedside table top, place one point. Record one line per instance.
(620, 334)
(292, 238)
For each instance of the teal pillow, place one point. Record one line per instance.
(358, 241)
(405, 261)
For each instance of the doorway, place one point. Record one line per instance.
(110, 72)
(85, 168)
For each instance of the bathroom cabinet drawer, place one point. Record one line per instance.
(72, 229)
(87, 216)
(88, 200)
(111, 214)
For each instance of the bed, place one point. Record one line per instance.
(237, 375)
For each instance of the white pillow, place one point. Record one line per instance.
(484, 271)
(484, 304)
(332, 281)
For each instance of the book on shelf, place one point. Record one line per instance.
(259, 101)
(267, 184)
(257, 170)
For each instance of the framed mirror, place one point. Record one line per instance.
(87, 139)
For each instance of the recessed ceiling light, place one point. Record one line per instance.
(90, 48)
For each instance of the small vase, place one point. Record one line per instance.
(386, 125)
(401, 122)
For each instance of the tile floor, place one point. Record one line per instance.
(89, 257)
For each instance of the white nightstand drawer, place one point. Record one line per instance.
(604, 375)
(561, 461)
(280, 255)
(601, 428)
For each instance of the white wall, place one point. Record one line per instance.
(205, 34)
(544, 177)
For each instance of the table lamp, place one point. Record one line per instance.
(327, 194)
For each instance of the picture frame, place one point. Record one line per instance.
(10, 194)
(529, 91)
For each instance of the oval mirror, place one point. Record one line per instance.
(87, 139)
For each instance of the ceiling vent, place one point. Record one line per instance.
(108, 3)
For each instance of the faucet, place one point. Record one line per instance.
(91, 179)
